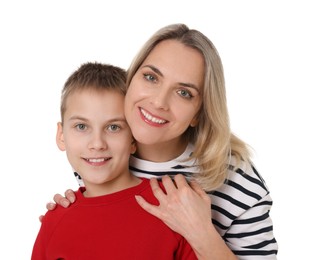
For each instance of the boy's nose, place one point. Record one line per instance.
(98, 142)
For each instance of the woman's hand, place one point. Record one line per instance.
(183, 208)
(60, 200)
(186, 209)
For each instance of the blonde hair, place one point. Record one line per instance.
(213, 141)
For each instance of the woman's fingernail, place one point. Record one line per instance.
(65, 204)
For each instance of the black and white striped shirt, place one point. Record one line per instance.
(240, 207)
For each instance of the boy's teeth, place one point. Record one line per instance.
(96, 160)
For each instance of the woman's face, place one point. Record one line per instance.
(165, 94)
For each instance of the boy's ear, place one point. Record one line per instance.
(133, 146)
(59, 137)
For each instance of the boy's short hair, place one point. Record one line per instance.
(96, 76)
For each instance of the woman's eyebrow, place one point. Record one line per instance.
(190, 85)
(155, 69)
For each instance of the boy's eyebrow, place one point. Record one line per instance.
(78, 118)
(117, 119)
(184, 84)
(113, 119)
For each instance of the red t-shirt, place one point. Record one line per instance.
(113, 227)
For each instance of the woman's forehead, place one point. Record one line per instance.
(177, 61)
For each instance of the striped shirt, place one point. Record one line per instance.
(240, 207)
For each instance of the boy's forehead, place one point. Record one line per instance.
(95, 102)
(98, 90)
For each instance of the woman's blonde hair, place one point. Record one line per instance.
(212, 138)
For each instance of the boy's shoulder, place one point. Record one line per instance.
(55, 215)
(147, 192)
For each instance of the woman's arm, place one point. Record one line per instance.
(186, 209)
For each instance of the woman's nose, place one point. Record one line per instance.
(160, 99)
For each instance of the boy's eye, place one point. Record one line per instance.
(81, 127)
(184, 93)
(113, 128)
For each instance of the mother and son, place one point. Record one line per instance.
(161, 174)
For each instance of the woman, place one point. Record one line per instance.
(176, 107)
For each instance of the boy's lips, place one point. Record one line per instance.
(151, 118)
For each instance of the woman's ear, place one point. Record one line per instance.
(59, 137)
(194, 122)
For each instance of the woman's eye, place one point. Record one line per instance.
(113, 128)
(185, 93)
(81, 127)
(149, 77)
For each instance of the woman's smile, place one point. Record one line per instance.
(151, 119)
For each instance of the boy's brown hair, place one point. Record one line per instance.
(96, 76)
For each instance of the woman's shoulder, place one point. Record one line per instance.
(240, 209)
(243, 183)
(246, 174)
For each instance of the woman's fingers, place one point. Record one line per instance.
(70, 195)
(152, 209)
(41, 218)
(63, 201)
(198, 188)
(159, 194)
(51, 206)
(60, 200)
(168, 184)
(156, 189)
(180, 181)
(181, 207)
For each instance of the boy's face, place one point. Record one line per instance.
(97, 138)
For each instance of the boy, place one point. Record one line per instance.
(105, 222)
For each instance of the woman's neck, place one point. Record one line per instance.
(161, 152)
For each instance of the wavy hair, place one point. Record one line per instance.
(212, 138)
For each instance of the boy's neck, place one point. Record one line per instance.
(109, 187)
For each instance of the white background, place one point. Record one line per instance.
(264, 48)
